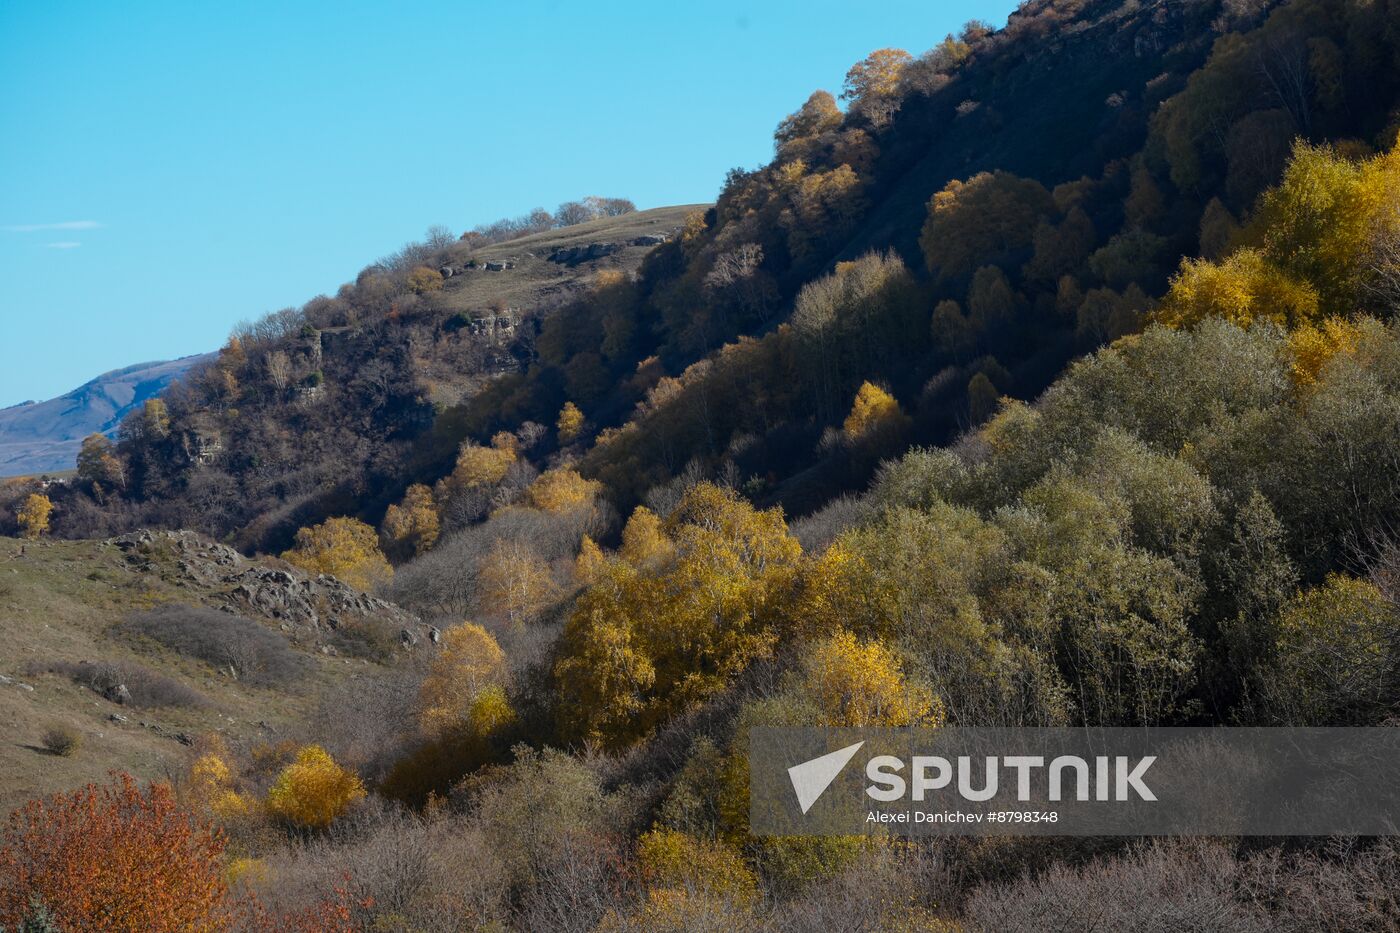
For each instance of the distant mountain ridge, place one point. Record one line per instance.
(44, 437)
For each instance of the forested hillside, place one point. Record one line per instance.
(328, 408)
(1053, 382)
(975, 218)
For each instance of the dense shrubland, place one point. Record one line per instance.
(1193, 524)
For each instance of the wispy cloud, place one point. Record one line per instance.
(64, 244)
(63, 225)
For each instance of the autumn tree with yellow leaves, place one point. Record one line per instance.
(211, 785)
(346, 548)
(817, 116)
(155, 419)
(1315, 345)
(642, 643)
(513, 582)
(874, 413)
(411, 527)
(463, 709)
(855, 683)
(98, 462)
(313, 790)
(675, 861)
(562, 491)
(644, 541)
(570, 423)
(478, 466)
(468, 661)
(589, 562)
(872, 84)
(33, 515)
(605, 672)
(988, 219)
(1243, 288)
(1314, 249)
(475, 484)
(1332, 661)
(422, 280)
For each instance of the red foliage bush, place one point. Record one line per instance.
(118, 857)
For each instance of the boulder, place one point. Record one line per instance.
(573, 255)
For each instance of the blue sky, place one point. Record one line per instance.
(168, 169)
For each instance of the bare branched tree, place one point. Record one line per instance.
(279, 369)
(1380, 280)
(1283, 63)
(439, 237)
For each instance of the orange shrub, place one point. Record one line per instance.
(422, 279)
(113, 857)
(116, 857)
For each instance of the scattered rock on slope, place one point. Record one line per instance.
(288, 596)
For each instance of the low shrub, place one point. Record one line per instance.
(239, 646)
(144, 687)
(1184, 886)
(367, 721)
(369, 639)
(63, 740)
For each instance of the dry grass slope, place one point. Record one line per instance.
(62, 603)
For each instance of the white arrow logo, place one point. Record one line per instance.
(811, 778)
